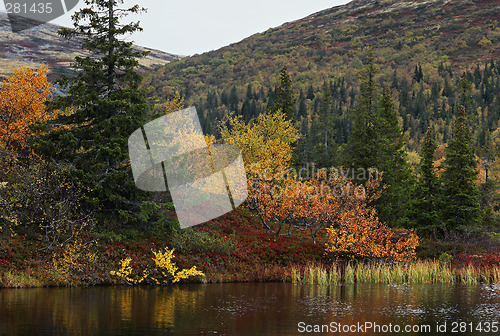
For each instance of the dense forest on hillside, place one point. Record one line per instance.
(421, 53)
(423, 103)
(422, 100)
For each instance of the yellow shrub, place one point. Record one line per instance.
(165, 270)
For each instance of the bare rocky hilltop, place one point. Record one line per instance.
(42, 44)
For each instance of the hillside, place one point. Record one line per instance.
(403, 33)
(42, 44)
(326, 50)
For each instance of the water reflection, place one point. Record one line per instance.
(239, 309)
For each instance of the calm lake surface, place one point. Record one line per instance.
(250, 309)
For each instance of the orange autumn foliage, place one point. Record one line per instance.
(357, 233)
(22, 98)
(353, 229)
(287, 203)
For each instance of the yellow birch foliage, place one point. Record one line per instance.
(76, 262)
(174, 104)
(165, 271)
(22, 98)
(125, 271)
(266, 143)
(168, 271)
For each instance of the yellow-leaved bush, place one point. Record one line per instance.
(167, 269)
(76, 262)
(164, 271)
(125, 272)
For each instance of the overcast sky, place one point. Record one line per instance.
(187, 27)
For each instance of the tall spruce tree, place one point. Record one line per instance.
(460, 203)
(419, 75)
(106, 106)
(394, 205)
(377, 142)
(233, 99)
(488, 191)
(285, 100)
(302, 111)
(323, 131)
(427, 191)
(362, 144)
(310, 93)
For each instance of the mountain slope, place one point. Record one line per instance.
(402, 32)
(42, 44)
(422, 48)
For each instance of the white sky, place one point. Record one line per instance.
(186, 27)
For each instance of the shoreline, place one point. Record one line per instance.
(416, 272)
(233, 248)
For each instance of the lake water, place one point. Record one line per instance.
(252, 309)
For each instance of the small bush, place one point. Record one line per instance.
(155, 216)
(164, 271)
(189, 240)
(485, 43)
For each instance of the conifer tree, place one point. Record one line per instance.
(461, 210)
(106, 106)
(464, 93)
(377, 142)
(302, 112)
(394, 205)
(233, 99)
(427, 190)
(447, 90)
(284, 100)
(310, 93)
(250, 94)
(488, 191)
(419, 75)
(323, 131)
(224, 98)
(362, 145)
(395, 83)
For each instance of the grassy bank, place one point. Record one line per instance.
(418, 272)
(233, 248)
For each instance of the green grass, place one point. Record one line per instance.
(18, 280)
(349, 274)
(419, 272)
(496, 275)
(334, 275)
